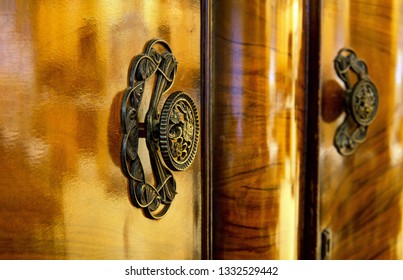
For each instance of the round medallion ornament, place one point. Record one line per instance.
(364, 102)
(179, 131)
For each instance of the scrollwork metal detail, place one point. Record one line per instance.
(361, 102)
(171, 134)
(178, 131)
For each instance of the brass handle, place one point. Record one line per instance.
(361, 102)
(171, 135)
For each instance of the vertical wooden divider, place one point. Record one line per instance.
(258, 94)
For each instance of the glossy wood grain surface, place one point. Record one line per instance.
(63, 68)
(258, 128)
(361, 199)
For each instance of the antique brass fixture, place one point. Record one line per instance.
(361, 102)
(171, 134)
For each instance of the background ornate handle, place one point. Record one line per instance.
(171, 135)
(361, 102)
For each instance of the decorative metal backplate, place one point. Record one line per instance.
(171, 135)
(361, 102)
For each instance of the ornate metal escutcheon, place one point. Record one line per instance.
(361, 102)
(171, 134)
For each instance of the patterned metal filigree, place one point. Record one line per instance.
(361, 102)
(178, 131)
(172, 134)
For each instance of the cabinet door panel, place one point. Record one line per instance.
(63, 69)
(361, 195)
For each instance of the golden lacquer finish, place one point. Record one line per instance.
(361, 196)
(63, 69)
(258, 68)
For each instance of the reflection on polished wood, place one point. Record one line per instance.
(258, 128)
(63, 67)
(361, 199)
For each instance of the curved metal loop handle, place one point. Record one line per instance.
(171, 135)
(361, 101)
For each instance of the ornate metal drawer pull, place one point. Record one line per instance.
(171, 135)
(361, 102)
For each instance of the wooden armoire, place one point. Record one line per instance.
(200, 129)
